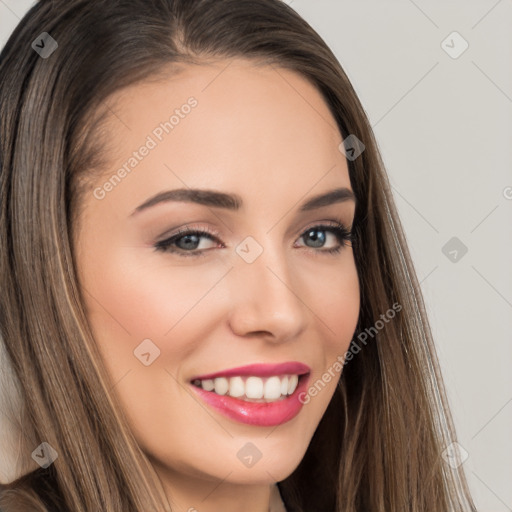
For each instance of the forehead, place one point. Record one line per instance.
(233, 124)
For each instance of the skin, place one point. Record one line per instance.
(267, 135)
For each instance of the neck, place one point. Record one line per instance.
(195, 494)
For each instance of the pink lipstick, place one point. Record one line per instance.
(257, 394)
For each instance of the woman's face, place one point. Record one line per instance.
(264, 287)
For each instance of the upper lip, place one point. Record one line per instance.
(260, 370)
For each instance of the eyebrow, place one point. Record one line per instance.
(234, 202)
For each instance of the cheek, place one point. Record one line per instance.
(134, 298)
(166, 309)
(334, 299)
(335, 306)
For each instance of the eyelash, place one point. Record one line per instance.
(344, 236)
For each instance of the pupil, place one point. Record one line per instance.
(318, 240)
(190, 241)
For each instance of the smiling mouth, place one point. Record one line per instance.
(251, 388)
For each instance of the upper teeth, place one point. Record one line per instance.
(268, 388)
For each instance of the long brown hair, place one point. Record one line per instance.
(379, 445)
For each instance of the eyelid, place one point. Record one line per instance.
(186, 230)
(327, 223)
(214, 233)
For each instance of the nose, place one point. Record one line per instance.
(266, 298)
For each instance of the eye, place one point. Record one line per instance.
(187, 241)
(318, 235)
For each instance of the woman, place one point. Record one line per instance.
(207, 295)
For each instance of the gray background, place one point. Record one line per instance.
(444, 126)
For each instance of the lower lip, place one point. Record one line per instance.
(261, 414)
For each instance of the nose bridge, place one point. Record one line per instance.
(265, 298)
